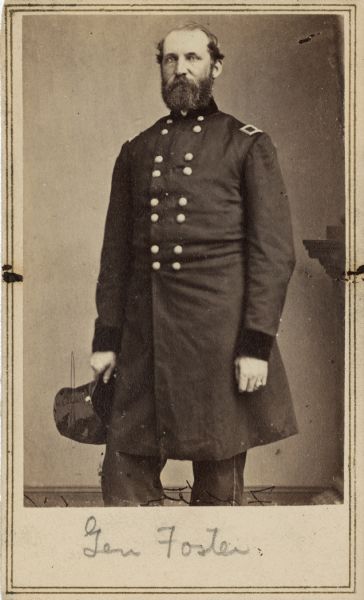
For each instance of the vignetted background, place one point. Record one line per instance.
(90, 83)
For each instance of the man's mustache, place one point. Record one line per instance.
(180, 81)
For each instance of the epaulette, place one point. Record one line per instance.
(250, 129)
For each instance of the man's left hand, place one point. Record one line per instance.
(251, 373)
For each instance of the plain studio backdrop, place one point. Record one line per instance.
(90, 83)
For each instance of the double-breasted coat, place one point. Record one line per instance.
(196, 259)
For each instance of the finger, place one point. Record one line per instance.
(243, 382)
(251, 384)
(261, 381)
(108, 373)
(258, 385)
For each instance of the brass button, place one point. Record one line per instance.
(188, 156)
(178, 249)
(182, 201)
(169, 121)
(187, 171)
(154, 217)
(181, 218)
(156, 265)
(154, 202)
(164, 131)
(197, 128)
(154, 249)
(200, 118)
(176, 266)
(156, 173)
(158, 159)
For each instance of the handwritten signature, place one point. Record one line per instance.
(186, 548)
(91, 530)
(173, 546)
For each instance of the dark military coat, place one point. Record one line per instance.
(195, 264)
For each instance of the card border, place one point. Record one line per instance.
(350, 11)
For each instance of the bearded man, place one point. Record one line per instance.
(196, 259)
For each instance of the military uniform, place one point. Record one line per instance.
(196, 260)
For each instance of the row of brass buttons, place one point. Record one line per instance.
(195, 128)
(177, 249)
(156, 265)
(180, 218)
(159, 158)
(185, 171)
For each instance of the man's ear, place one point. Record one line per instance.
(216, 69)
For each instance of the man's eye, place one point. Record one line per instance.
(169, 59)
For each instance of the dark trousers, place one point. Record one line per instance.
(129, 480)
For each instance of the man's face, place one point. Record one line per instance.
(187, 70)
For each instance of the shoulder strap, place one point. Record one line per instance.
(250, 129)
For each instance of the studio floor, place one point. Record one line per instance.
(180, 496)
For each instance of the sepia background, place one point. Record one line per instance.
(90, 83)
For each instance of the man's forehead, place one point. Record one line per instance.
(186, 41)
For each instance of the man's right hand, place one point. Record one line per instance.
(103, 362)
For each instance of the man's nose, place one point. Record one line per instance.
(181, 66)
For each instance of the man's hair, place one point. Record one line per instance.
(213, 43)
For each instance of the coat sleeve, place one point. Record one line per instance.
(269, 247)
(116, 256)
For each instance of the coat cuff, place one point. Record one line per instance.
(255, 344)
(106, 339)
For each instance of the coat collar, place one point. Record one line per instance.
(192, 114)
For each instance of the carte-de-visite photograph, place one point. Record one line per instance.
(184, 259)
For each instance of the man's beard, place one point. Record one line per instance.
(186, 95)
